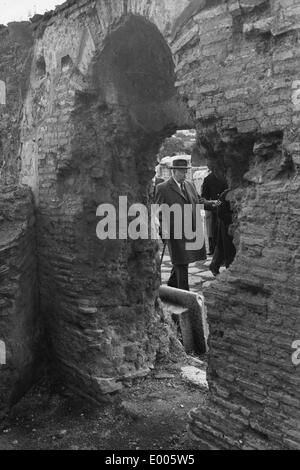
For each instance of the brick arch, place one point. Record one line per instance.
(94, 137)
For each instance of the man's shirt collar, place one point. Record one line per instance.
(178, 184)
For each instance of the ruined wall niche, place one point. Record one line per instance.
(66, 63)
(230, 153)
(249, 158)
(135, 69)
(271, 160)
(40, 67)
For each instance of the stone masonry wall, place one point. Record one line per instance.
(19, 331)
(238, 63)
(19, 326)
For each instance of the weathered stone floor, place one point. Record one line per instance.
(150, 414)
(199, 273)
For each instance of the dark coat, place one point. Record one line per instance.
(169, 193)
(213, 187)
(225, 250)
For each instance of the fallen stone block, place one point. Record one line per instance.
(187, 310)
(195, 376)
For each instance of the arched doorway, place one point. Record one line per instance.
(99, 297)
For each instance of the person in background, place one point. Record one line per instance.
(213, 186)
(225, 251)
(155, 181)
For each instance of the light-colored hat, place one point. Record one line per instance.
(180, 164)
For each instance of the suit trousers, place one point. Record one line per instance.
(179, 277)
(225, 250)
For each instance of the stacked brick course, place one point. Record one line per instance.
(19, 327)
(238, 63)
(254, 320)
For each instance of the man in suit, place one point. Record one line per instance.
(186, 243)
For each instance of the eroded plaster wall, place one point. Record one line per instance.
(16, 43)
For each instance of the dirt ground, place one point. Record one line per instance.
(151, 413)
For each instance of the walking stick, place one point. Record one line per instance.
(162, 257)
(163, 253)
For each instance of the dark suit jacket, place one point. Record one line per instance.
(169, 193)
(212, 188)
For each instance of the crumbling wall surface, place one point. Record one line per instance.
(238, 66)
(16, 42)
(254, 320)
(101, 100)
(92, 124)
(19, 328)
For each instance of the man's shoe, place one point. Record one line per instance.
(214, 271)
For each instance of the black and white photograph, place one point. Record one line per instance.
(149, 228)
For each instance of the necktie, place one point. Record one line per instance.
(183, 190)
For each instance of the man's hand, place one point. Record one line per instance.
(208, 204)
(216, 203)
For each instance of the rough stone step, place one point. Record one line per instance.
(194, 375)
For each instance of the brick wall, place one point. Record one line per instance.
(94, 136)
(19, 326)
(238, 62)
(236, 65)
